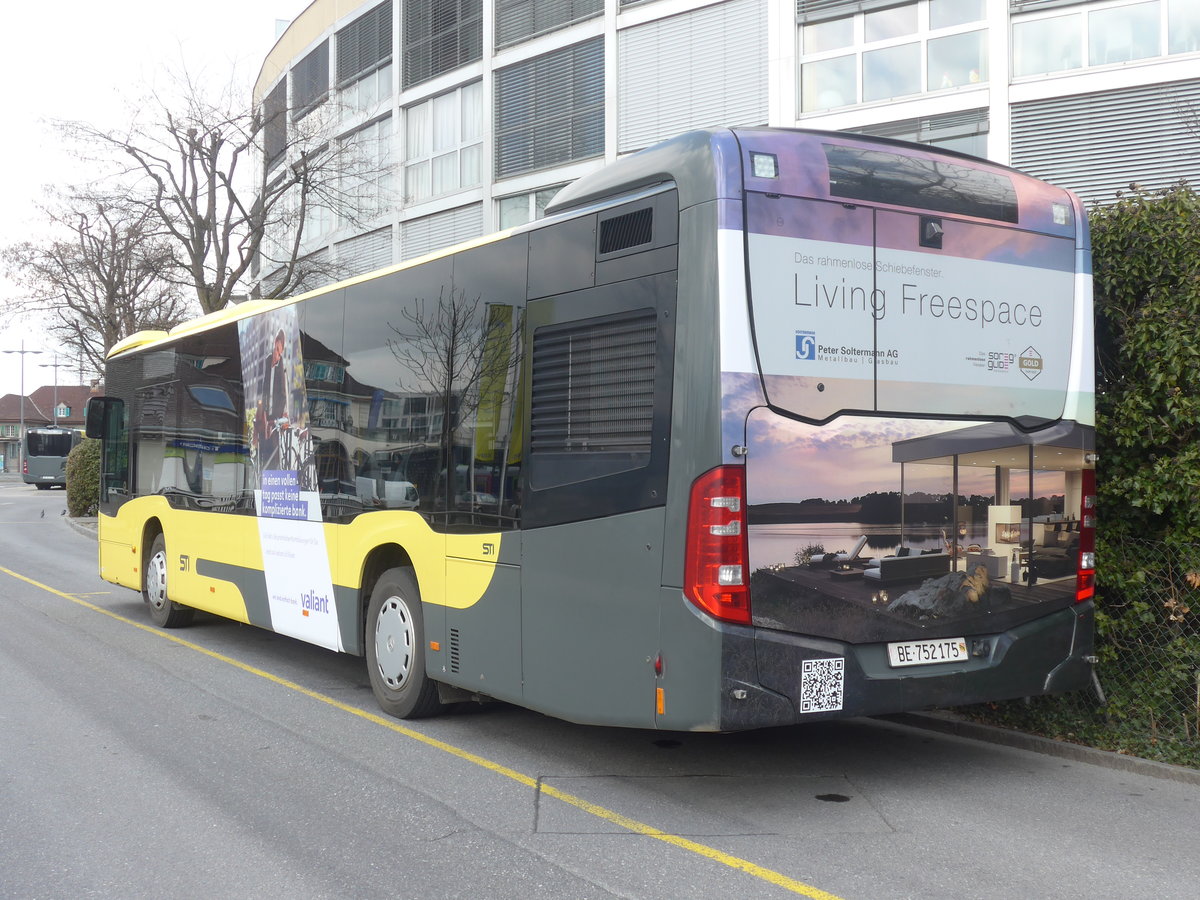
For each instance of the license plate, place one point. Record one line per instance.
(925, 653)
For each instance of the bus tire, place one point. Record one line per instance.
(42, 487)
(165, 612)
(395, 642)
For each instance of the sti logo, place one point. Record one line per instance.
(806, 345)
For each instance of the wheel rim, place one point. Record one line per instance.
(156, 580)
(395, 637)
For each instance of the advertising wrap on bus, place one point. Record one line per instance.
(860, 307)
(916, 420)
(284, 478)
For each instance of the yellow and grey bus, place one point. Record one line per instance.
(755, 427)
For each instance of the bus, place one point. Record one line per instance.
(756, 427)
(45, 457)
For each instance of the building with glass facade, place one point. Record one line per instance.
(468, 115)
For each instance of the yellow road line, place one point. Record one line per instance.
(769, 875)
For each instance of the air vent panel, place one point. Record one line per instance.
(632, 229)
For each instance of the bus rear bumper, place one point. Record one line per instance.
(801, 679)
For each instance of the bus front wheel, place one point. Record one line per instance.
(165, 612)
(396, 648)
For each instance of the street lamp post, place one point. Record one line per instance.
(21, 431)
(55, 366)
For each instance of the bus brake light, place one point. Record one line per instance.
(716, 563)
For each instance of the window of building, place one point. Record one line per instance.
(1103, 35)
(965, 132)
(882, 51)
(443, 143)
(832, 35)
(522, 208)
(364, 61)
(366, 94)
(947, 13)
(1123, 33)
(368, 183)
(440, 35)
(520, 20)
(957, 60)
(310, 80)
(549, 110)
(882, 24)
(1041, 46)
(318, 219)
(62, 411)
(1183, 26)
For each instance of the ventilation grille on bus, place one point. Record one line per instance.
(455, 650)
(593, 385)
(630, 230)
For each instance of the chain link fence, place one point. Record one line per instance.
(1145, 700)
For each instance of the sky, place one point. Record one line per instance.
(86, 61)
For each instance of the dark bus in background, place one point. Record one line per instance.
(46, 452)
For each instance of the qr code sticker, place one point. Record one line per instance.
(821, 683)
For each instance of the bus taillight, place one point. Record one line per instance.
(716, 570)
(1085, 579)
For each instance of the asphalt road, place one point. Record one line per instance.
(223, 761)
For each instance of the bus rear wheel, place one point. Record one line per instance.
(164, 611)
(395, 641)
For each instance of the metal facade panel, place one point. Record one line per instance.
(364, 43)
(549, 110)
(366, 252)
(820, 10)
(310, 79)
(440, 35)
(698, 69)
(520, 20)
(1098, 144)
(421, 236)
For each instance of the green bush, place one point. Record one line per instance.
(1146, 251)
(83, 479)
(1146, 262)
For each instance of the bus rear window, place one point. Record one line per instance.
(49, 444)
(936, 185)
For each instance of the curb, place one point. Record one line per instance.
(84, 526)
(948, 723)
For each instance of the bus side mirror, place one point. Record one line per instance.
(97, 414)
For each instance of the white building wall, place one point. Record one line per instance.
(669, 65)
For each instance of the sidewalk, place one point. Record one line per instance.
(85, 525)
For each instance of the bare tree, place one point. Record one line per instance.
(191, 164)
(100, 275)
